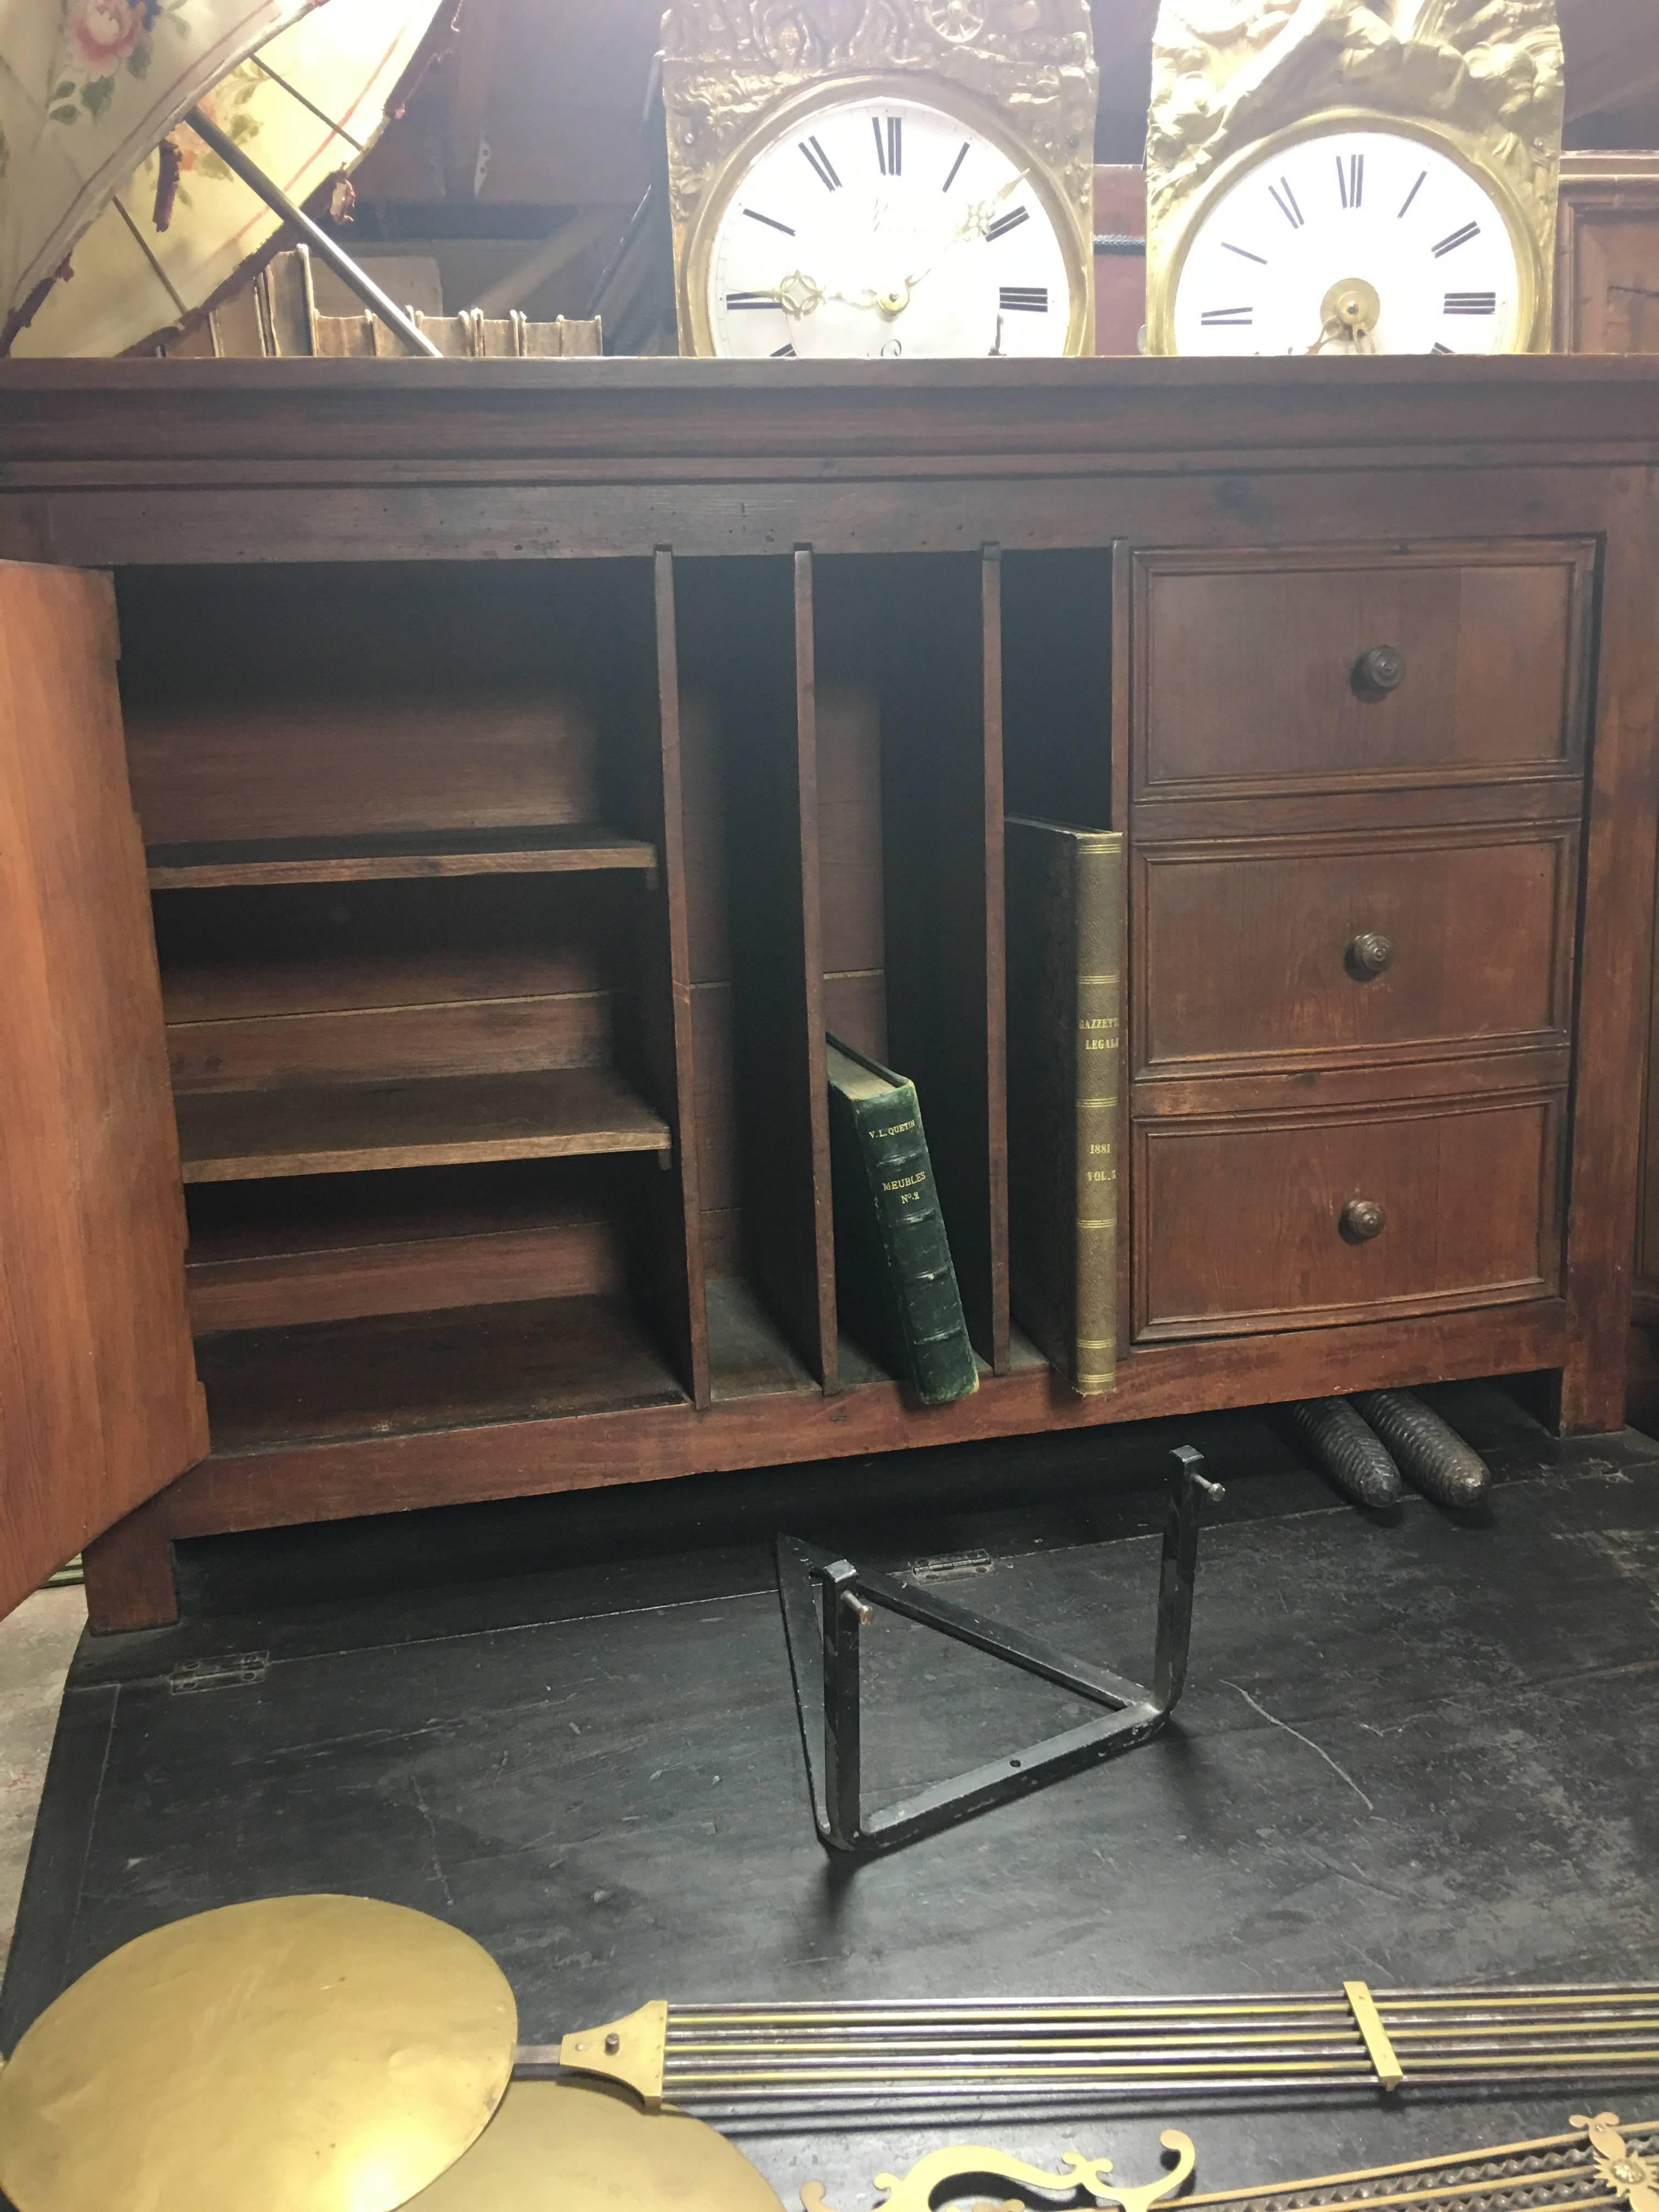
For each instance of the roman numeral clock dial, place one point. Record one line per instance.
(886, 229)
(1351, 241)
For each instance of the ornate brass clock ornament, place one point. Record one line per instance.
(1599, 2169)
(1352, 176)
(881, 178)
(1626, 2174)
(925, 2184)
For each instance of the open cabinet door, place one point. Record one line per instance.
(100, 1407)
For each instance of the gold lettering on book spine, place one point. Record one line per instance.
(1098, 909)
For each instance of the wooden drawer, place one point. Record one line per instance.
(1324, 951)
(1249, 667)
(1240, 1225)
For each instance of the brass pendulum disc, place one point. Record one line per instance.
(585, 2147)
(315, 2054)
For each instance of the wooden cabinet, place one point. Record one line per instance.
(533, 758)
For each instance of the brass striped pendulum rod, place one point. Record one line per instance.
(836, 2058)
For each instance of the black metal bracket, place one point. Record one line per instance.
(828, 1601)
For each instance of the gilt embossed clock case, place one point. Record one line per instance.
(881, 178)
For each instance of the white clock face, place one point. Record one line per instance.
(1365, 241)
(882, 228)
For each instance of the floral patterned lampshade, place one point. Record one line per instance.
(88, 89)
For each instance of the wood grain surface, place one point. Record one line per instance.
(98, 1401)
(234, 1135)
(438, 612)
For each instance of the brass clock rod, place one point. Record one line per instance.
(848, 2057)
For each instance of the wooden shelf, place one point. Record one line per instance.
(329, 1382)
(748, 1354)
(233, 1136)
(542, 851)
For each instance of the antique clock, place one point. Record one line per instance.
(1352, 176)
(881, 179)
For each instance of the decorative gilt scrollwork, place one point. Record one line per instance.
(1630, 2176)
(729, 64)
(1486, 75)
(926, 2182)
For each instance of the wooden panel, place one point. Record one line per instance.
(855, 1010)
(1238, 1221)
(1073, 482)
(762, 1431)
(365, 860)
(703, 808)
(1647, 1219)
(666, 1274)
(719, 1172)
(462, 455)
(310, 702)
(1549, 799)
(749, 1355)
(408, 1372)
(1606, 290)
(330, 1247)
(1615, 965)
(747, 654)
(582, 1258)
(1246, 666)
(1057, 666)
(99, 1402)
(1353, 1082)
(709, 954)
(237, 1221)
(1243, 952)
(240, 954)
(232, 1135)
(392, 1044)
(850, 871)
(278, 769)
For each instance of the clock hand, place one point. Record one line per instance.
(796, 293)
(976, 224)
(1351, 310)
(800, 294)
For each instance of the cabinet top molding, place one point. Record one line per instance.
(115, 423)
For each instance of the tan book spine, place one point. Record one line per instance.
(1097, 863)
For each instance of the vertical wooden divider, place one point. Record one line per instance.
(996, 964)
(687, 1245)
(749, 648)
(1119, 737)
(812, 947)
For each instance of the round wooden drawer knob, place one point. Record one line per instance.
(1362, 1219)
(1369, 955)
(1379, 671)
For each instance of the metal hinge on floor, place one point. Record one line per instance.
(949, 1567)
(235, 1670)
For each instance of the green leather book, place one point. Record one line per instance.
(1065, 906)
(896, 1287)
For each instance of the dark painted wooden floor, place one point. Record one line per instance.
(1412, 1749)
